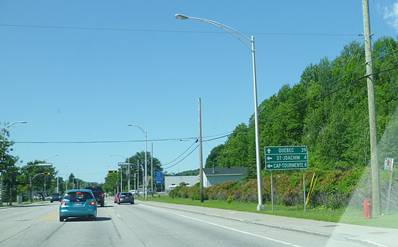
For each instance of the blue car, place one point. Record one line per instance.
(78, 203)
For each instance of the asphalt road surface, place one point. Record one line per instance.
(142, 225)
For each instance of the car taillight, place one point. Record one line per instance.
(92, 203)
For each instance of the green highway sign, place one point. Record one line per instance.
(286, 157)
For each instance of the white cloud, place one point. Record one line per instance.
(391, 15)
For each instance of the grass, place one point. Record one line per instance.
(350, 216)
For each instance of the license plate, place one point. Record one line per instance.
(78, 204)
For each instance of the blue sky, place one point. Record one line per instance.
(79, 84)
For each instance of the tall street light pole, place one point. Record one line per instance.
(249, 43)
(200, 150)
(152, 168)
(146, 159)
(30, 184)
(14, 123)
(57, 179)
(372, 112)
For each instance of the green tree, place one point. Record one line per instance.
(9, 172)
(111, 182)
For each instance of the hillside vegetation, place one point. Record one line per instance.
(327, 110)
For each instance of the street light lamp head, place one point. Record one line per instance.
(181, 17)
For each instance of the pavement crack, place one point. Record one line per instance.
(116, 230)
(52, 233)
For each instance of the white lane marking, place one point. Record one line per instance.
(374, 243)
(231, 229)
(118, 215)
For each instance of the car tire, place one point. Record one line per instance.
(61, 219)
(102, 204)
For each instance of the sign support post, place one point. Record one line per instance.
(389, 166)
(304, 194)
(272, 193)
(282, 158)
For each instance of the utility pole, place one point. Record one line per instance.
(57, 184)
(372, 113)
(138, 175)
(146, 167)
(200, 151)
(128, 178)
(121, 178)
(152, 168)
(143, 178)
(45, 185)
(1, 188)
(135, 181)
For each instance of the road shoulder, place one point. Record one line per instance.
(371, 236)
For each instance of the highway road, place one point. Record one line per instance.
(143, 225)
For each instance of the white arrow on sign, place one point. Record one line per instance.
(268, 150)
(269, 158)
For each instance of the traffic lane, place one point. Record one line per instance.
(154, 228)
(40, 226)
(15, 222)
(208, 229)
(106, 230)
(19, 211)
(125, 225)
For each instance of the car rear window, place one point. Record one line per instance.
(78, 196)
(126, 194)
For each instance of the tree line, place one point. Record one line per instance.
(326, 110)
(37, 177)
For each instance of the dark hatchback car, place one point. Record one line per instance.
(125, 197)
(55, 197)
(98, 194)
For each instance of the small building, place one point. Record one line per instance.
(218, 175)
(170, 182)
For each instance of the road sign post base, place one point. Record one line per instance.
(260, 207)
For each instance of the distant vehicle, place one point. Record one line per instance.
(78, 203)
(99, 194)
(125, 197)
(37, 197)
(172, 186)
(116, 199)
(55, 197)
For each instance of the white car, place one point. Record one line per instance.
(172, 186)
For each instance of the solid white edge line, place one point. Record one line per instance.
(374, 243)
(229, 228)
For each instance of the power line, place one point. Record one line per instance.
(119, 141)
(216, 138)
(186, 150)
(168, 165)
(181, 160)
(147, 30)
(103, 141)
